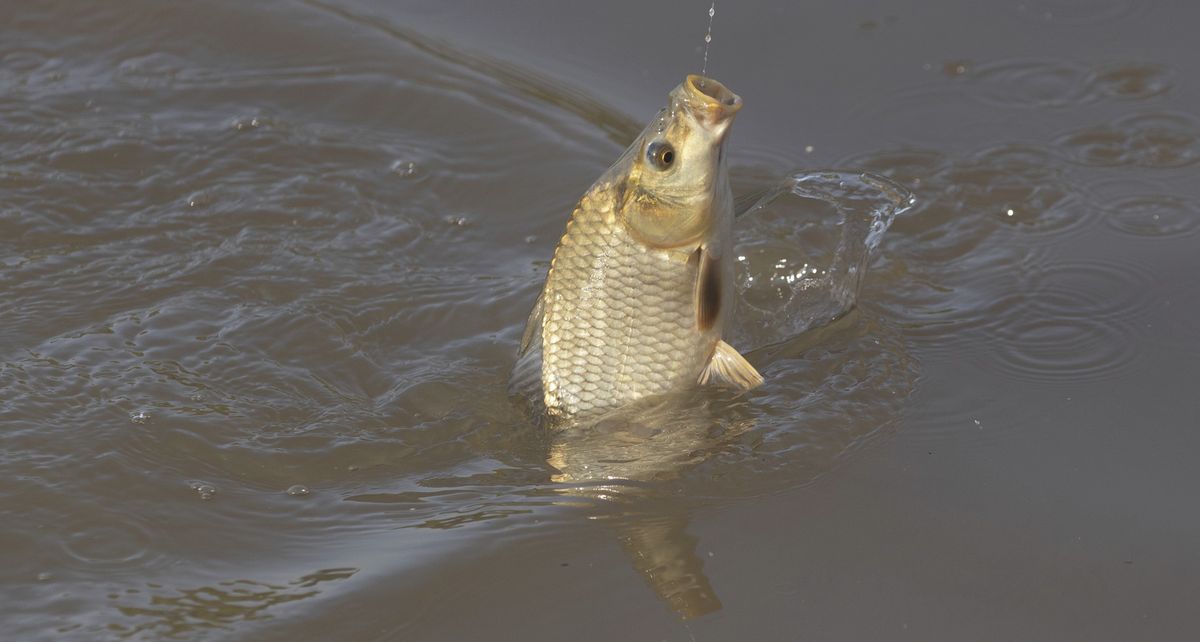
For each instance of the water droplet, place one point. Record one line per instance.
(712, 10)
(140, 417)
(44, 576)
(298, 491)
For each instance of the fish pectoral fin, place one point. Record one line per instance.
(526, 375)
(708, 290)
(728, 368)
(753, 201)
(533, 325)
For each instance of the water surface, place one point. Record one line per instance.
(264, 269)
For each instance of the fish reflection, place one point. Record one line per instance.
(622, 458)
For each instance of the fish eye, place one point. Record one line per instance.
(660, 154)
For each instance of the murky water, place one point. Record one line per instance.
(264, 268)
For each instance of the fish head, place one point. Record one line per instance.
(677, 179)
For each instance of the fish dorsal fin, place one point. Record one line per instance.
(708, 290)
(728, 368)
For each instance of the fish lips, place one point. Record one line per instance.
(709, 102)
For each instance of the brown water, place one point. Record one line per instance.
(264, 267)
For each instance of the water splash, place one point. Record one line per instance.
(712, 11)
(803, 249)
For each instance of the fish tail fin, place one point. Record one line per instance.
(728, 368)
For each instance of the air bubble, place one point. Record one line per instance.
(404, 168)
(298, 491)
(200, 199)
(205, 490)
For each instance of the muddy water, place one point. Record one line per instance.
(263, 271)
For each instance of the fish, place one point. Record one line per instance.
(641, 284)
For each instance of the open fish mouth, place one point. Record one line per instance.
(709, 100)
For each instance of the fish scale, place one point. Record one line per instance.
(603, 290)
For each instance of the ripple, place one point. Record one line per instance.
(1018, 185)
(1133, 81)
(966, 411)
(1033, 83)
(954, 310)
(1143, 140)
(1062, 349)
(1078, 11)
(962, 203)
(1055, 83)
(113, 544)
(154, 70)
(856, 377)
(1154, 215)
(1068, 322)
(1098, 289)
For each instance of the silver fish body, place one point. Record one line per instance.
(641, 283)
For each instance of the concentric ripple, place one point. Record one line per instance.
(1133, 81)
(1073, 322)
(1102, 289)
(1154, 215)
(1142, 139)
(1056, 83)
(1032, 83)
(1078, 11)
(1064, 349)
